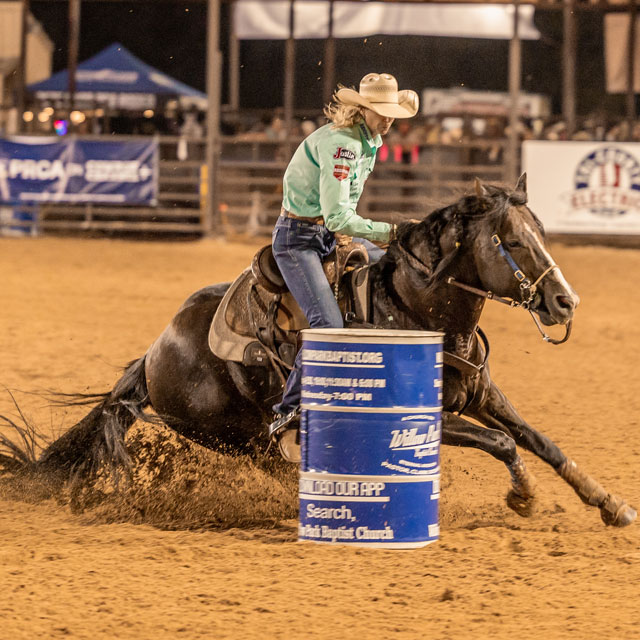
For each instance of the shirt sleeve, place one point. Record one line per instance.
(337, 168)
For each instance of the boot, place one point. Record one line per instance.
(285, 432)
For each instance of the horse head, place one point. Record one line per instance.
(511, 257)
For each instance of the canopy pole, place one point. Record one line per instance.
(329, 66)
(22, 66)
(74, 40)
(569, 58)
(514, 96)
(289, 77)
(631, 68)
(211, 218)
(234, 60)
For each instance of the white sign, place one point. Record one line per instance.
(483, 103)
(584, 187)
(270, 20)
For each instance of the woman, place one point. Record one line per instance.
(321, 188)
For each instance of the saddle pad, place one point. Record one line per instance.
(248, 306)
(233, 326)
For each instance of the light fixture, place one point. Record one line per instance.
(77, 117)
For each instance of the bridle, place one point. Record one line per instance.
(528, 290)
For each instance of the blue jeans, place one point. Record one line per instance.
(299, 248)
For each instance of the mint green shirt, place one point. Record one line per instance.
(326, 177)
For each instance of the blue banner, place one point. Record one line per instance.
(75, 171)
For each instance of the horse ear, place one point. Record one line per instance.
(479, 188)
(522, 183)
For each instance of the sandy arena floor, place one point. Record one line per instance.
(72, 312)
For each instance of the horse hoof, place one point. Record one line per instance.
(615, 512)
(524, 507)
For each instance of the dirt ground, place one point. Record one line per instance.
(73, 312)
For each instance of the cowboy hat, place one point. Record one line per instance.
(379, 92)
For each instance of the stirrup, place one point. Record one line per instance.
(281, 424)
(285, 433)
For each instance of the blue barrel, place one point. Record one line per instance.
(370, 437)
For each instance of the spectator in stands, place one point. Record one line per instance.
(307, 127)
(620, 132)
(404, 143)
(276, 129)
(190, 130)
(321, 189)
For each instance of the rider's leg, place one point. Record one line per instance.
(374, 251)
(298, 248)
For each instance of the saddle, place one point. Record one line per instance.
(258, 320)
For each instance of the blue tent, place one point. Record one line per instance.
(115, 77)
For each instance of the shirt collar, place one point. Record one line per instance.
(374, 143)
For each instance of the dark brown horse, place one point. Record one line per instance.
(435, 276)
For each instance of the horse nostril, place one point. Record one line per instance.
(564, 302)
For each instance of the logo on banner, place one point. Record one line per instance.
(344, 153)
(606, 183)
(340, 171)
(78, 171)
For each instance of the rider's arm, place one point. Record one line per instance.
(340, 190)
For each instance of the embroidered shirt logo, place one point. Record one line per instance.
(340, 171)
(347, 154)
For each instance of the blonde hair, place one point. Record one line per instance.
(342, 115)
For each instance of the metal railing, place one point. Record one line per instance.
(250, 189)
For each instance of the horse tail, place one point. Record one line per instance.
(99, 437)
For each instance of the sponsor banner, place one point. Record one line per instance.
(458, 101)
(584, 187)
(377, 377)
(382, 444)
(257, 19)
(368, 510)
(78, 171)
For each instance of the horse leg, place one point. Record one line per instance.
(460, 433)
(496, 412)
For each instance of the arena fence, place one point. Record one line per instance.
(250, 189)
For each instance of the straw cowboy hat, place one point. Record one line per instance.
(379, 92)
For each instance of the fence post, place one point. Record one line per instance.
(435, 170)
(253, 222)
(214, 73)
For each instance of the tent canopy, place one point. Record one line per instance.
(117, 78)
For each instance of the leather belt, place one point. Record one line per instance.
(287, 214)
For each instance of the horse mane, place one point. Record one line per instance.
(461, 220)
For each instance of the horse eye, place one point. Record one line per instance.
(513, 244)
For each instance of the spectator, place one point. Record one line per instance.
(403, 141)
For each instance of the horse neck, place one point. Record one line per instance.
(446, 308)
